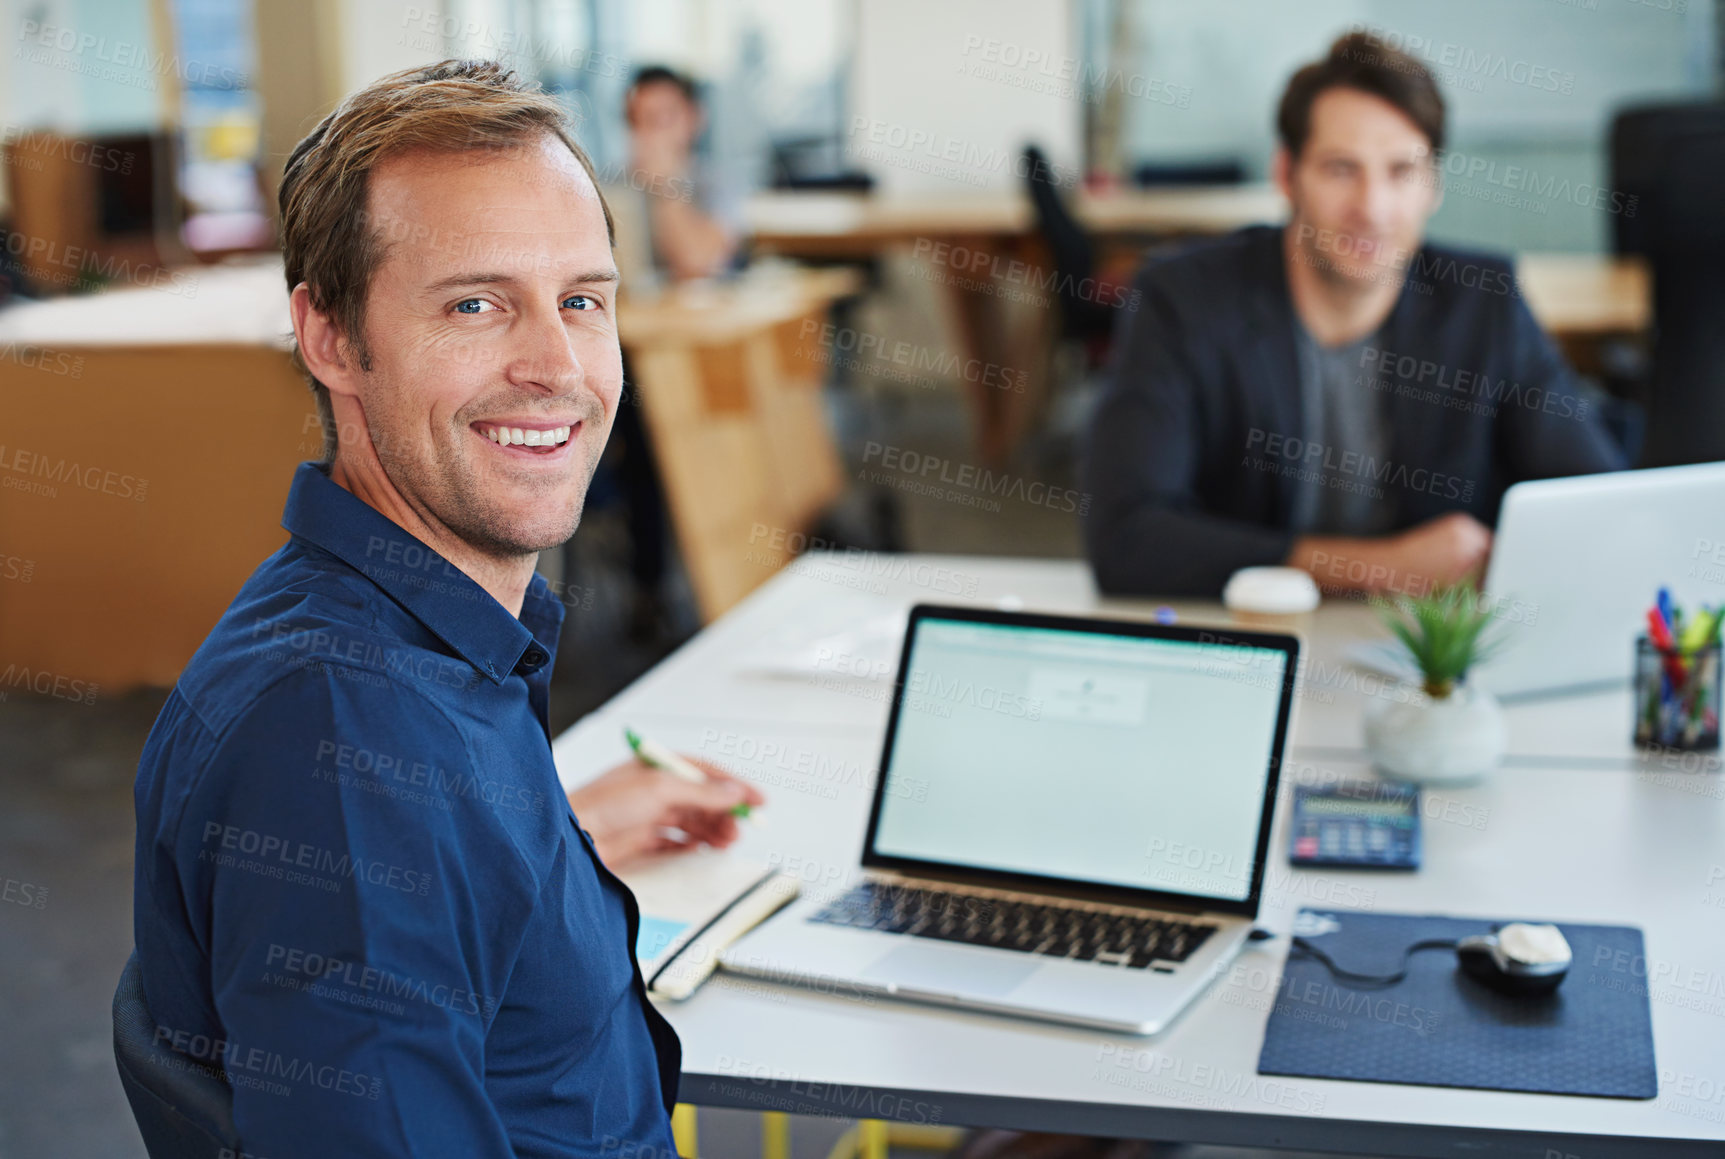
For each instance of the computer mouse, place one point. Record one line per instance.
(1519, 958)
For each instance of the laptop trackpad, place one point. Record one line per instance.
(938, 970)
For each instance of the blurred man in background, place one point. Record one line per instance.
(675, 222)
(690, 219)
(1335, 395)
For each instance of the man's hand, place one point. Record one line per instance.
(659, 153)
(1444, 549)
(631, 809)
(1436, 553)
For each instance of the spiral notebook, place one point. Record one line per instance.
(693, 905)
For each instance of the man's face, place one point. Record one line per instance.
(660, 110)
(1362, 188)
(491, 326)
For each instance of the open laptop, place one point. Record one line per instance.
(1071, 821)
(1577, 562)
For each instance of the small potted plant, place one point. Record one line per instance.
(1447, 731)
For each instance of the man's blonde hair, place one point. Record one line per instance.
(329, 241)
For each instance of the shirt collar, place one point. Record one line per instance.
(438, 594)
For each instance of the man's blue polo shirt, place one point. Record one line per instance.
(360, 890)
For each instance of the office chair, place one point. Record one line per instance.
(183, 1110)
(1086, 312)
(1082, 317)
(1173, 174)
(1642, 142)
(815, 163)
(1671, 159)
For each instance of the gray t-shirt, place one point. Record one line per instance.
(1340, 490)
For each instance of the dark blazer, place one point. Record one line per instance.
(1189, 452)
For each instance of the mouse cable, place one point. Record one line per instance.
(1306, 949)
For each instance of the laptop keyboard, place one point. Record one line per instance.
(1085, 935)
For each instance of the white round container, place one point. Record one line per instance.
(1279, 598)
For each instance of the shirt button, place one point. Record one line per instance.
(533, 659)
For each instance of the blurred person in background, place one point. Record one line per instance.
(675, 222)
(690, 218)
(1336, 394)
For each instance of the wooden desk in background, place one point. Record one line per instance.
(1578, 298)
(1569, 293)
(730, 382)
(829, 225)
(989, 233)
(147, 440)
(1587, 296)
(193, 395)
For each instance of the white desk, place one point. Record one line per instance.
(1569, 830)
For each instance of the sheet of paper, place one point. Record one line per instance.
(655, 935)
(865, 649)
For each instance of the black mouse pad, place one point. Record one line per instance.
(1439, 1027)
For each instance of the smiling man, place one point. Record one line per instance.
(361, 896)
(1336, 394)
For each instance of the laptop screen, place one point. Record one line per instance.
(1097, 758)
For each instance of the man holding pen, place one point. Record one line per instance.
(360, 893)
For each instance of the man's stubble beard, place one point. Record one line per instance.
(1332, 272)
(448, 488)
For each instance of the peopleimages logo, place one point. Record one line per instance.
(34, 465)
(986, 266)
(844, 339)
(953, 156)
(910, 470)
(44, 683)
(1422, 268)
(1461, 66)
(271, 853)
(1036, 70)
(395, 775)
(259, 1063)
(1474, 173)
(35, 144)
(33, 357)
(332, 969)
(1311, 455)
(1383, 368)
(1201, 1084)
(125, 55)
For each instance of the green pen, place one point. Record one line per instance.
(657, 756)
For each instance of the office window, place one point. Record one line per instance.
(1530, 84)
(221, 119)
(772, 71)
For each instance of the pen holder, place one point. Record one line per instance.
(1676, 696)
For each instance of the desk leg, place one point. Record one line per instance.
(1032, 334)
(775, 1135)
(1011, 390)
(683, 1130)
(871, 1139)
(979, 332)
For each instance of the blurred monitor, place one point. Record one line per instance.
(135, 193)
(816, 163)
(1161, 174)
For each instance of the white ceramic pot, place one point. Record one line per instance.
(1436, 742)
